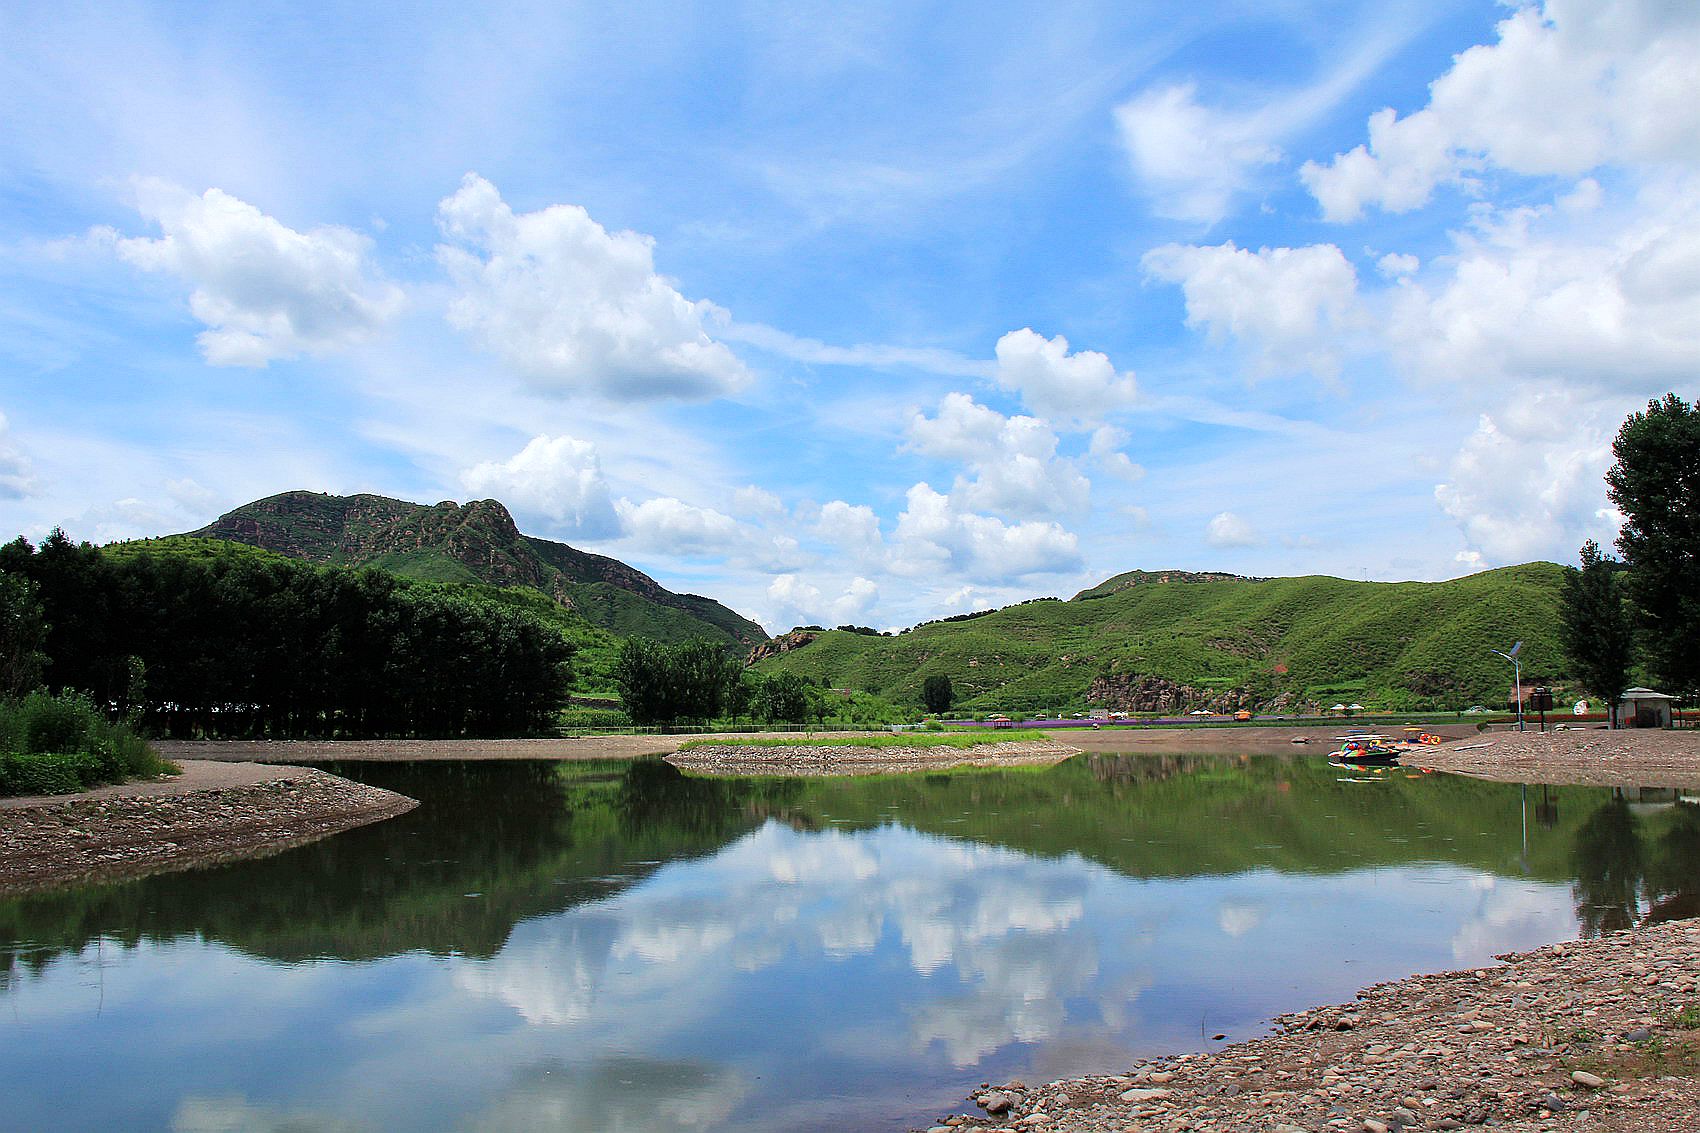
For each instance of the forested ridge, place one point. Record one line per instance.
(477, 542)
(238, 642)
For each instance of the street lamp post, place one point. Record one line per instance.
(1516, 676)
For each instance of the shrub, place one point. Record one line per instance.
(52, 745)
(55, 723)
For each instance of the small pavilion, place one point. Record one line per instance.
(1644, 708)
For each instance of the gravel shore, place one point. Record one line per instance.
(212, 813)
(1590, 1035)
(833, 759)
(1627, 757)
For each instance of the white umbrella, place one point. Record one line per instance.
(1338, 708)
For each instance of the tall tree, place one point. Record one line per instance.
(1598, 637)
(1655, 483)
(22, 634)
(936, 693)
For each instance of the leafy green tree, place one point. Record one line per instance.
(703, 677)
(783, 698)
(22, 634)
(936, 693)
(659, 684)
(1596, 629)
(1655, 483)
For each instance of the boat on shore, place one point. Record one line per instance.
(1372, 748)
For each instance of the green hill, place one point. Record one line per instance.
(476, 543)
(1175, 641)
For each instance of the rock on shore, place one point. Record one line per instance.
(107, 836)
(1588, 1035)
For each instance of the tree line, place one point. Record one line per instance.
(236, 644)
(699, 681)
(1643, 611)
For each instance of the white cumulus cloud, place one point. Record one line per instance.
(1106, 452)
(1064, 387)
(556, 477)
(671, 526)
(1570, 85)
(934, 532)
(1292, 306)
(1612, 301)
(1520, 486)
(1012, 461)
(574, 307)
(264, 290)
(1228, 530)
(1191, 159)
(851, 528)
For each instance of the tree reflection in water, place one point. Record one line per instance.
(1617, 871)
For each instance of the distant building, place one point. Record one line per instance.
(1644, 708)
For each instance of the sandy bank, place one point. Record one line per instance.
(824, 760)
(212, 813)
(1624, 758)
(1500, 1046)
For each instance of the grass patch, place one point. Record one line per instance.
(1685, 1018)
(961, 740)
(1658, 1057)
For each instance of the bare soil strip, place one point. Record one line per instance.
(210, 814)
(1597, 1035)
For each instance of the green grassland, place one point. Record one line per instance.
(1395, 646)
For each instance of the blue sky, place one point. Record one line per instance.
(856, 316)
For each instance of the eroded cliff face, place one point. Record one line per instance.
(784, 643)
(1136, 692)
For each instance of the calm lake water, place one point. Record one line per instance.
(622, 948)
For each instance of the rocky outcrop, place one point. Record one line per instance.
(1136, 692)
(784, 643)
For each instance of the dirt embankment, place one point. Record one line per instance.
(1624, 758)
(1600, 1035)
(212, 813)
